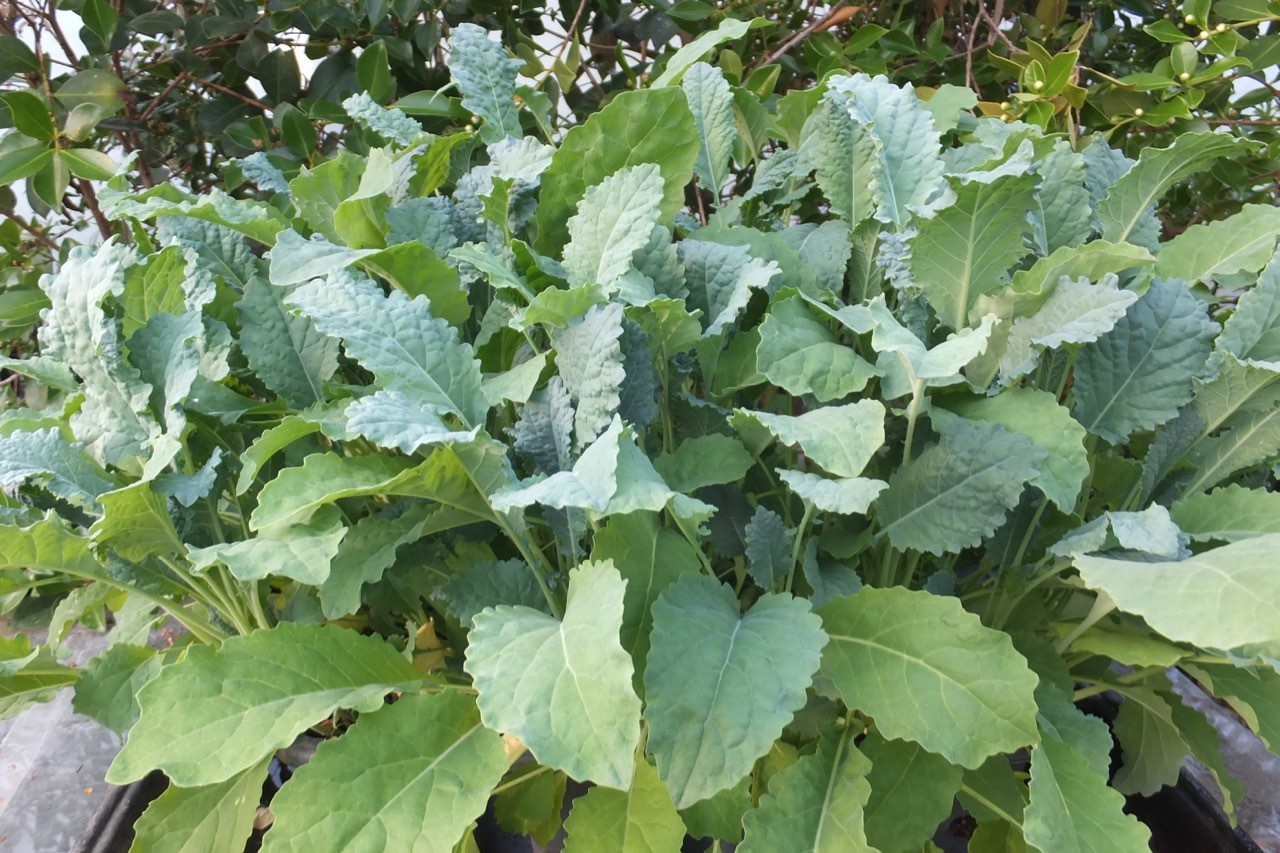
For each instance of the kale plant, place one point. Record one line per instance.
(785, 469)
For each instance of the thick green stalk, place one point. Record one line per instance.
(799, 543)
(533, 562)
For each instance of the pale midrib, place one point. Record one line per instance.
(943, 494)
(586, 706)
(1216, 266)
(831, 785)
(715, 695)
(921, 662)
(1207, 475)
(1165, 179)
(399, 352)
(404, 789)
(1156, 339)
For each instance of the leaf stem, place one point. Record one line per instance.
(909, 571)
(208, 594)
(255, 603)
(1007, 610)
(1102, 605)
(913, 412)
(799, 543)
(1013, 821)
(519, 780)
(888, 565)
(1032, 526)
(531, 561)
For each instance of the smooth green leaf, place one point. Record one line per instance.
(1240, 243)
(728, 30)
(641, 819)
(29, 676)
(1072, 809)
(841, 439)
(88, 164)
(416, 270)
(16, 57)
(930, 672)
(649, 558)
(815, 804)
(533, 807)
(645, 126)
(964, 251)
(218, 711)
(268, 444)
(47, 545)
(107, 691)
(563, 687)
(135, 523)
(706, 460)
(1252, 438)
(24, 162)
(30, 114)
(1157, 169)
(373, 72)
(1229, 514)
(1139, 374)
(302, 551)
(720, 685)
(425, 766)
(1151, 747)
(719, 816)
(1090, 261)
(1236, 592)
(958, 491)
(296, 493)
(216, 818)
(799, 354)
(1253, 331)
(1253, 693)
(912, 791)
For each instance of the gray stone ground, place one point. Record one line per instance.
(53, 762)
(1246, 759)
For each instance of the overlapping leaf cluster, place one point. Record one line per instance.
(784, 512)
